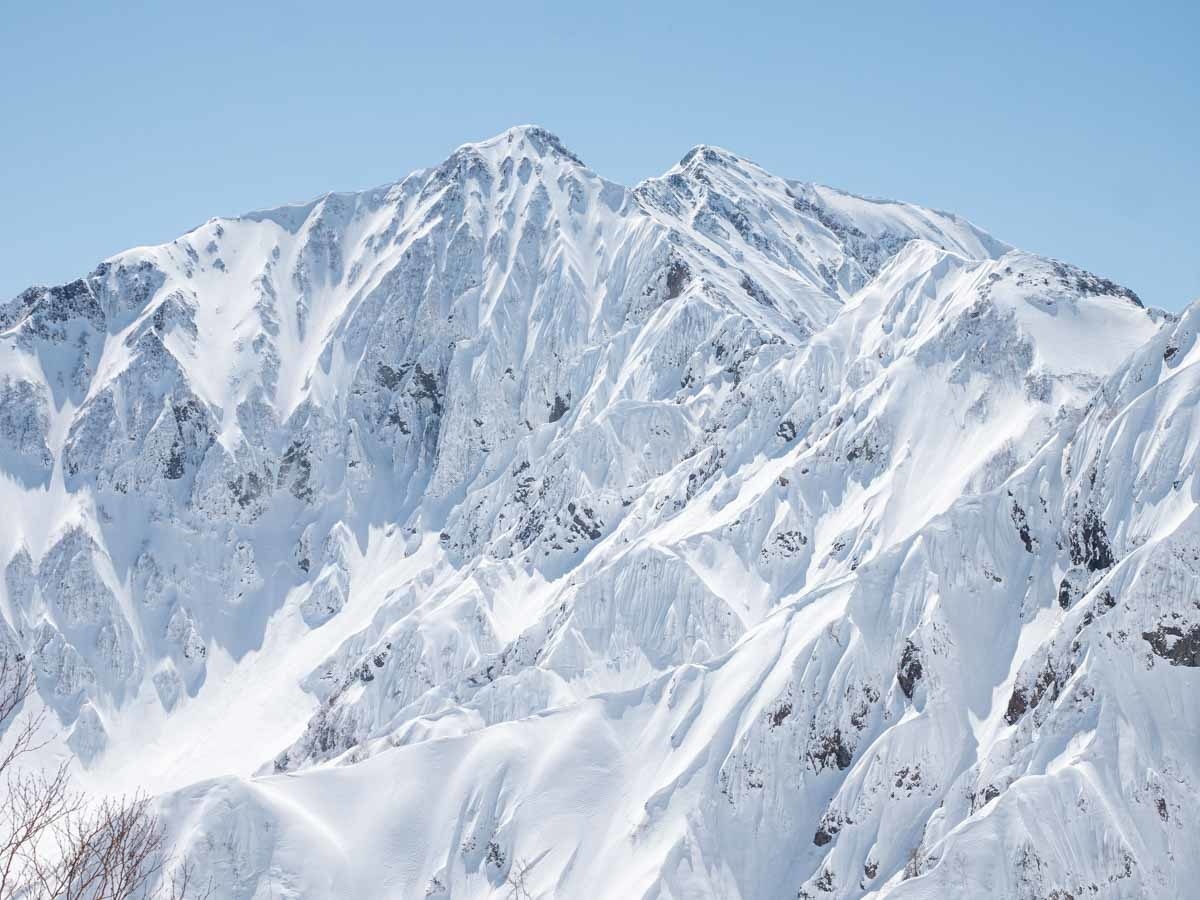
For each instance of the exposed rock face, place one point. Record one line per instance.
(812, 545)
(1172, 643)
(910, 670)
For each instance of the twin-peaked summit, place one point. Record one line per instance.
(505, 231)
(721, 536)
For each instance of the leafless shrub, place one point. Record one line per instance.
(518, 879)
(54, 844)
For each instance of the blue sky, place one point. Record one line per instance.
(1072, 130)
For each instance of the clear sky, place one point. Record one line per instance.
(1070, 128)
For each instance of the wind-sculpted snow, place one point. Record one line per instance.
(506, 532)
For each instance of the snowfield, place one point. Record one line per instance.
(506, 532)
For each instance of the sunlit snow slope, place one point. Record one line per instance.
(507, 532)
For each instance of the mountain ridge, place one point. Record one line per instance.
(794, 515)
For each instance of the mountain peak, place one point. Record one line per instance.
(533, 139)
(712, 155)
(451, 506)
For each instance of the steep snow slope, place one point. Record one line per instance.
(728, 536)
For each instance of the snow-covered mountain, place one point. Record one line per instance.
(508, 532)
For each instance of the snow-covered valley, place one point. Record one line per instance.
(508, 532)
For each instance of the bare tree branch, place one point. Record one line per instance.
(518, 878)
(54, 844)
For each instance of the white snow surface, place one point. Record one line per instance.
(506, 532)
